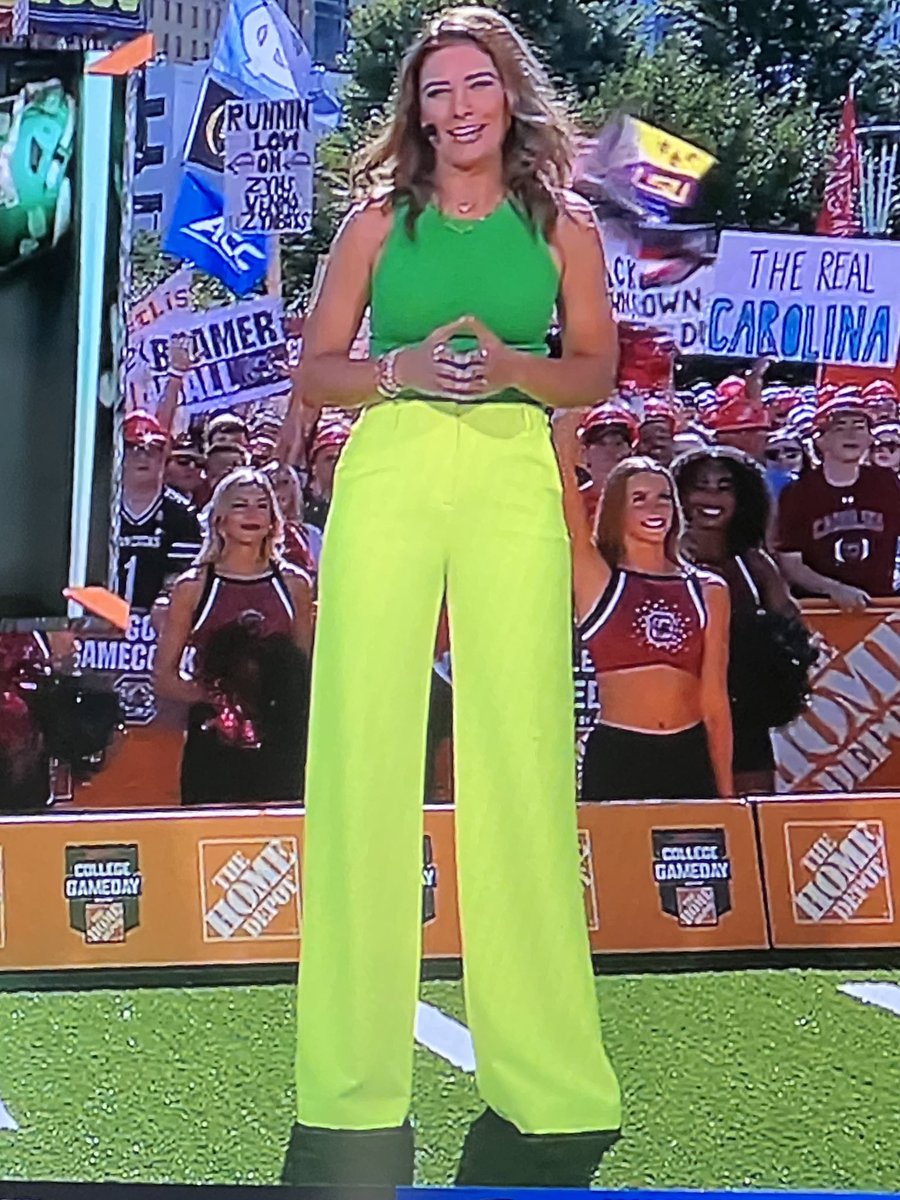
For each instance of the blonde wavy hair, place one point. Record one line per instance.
(213, 540)
(275, 468)
(539, 147)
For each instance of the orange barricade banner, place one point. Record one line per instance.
(832, 871)
(157, 889)
(849, 738)
(177, 888)
(671, 876)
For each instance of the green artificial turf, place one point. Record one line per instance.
(750, 1079)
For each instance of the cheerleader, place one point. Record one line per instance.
(247, 615)
(657, 633)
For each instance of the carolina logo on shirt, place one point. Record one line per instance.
(660, 626)
(852, 549)
(848, 518)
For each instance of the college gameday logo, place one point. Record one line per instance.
(103, 886)
(692, 871)
(250, 889)
(839, 872)
(588, 882)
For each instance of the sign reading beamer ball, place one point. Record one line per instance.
(269, 152)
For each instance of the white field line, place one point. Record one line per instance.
(7, 1121)
(883, 995)
(445, 1036)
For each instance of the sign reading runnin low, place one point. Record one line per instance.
(805, 299)
(269, 152)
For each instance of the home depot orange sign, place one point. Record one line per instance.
(849, 738)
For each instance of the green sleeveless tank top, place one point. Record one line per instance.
(496, 268)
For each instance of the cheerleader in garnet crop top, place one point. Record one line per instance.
(656, 630)
(647, 621)
(247, 616)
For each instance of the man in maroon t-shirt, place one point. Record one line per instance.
(838, 526)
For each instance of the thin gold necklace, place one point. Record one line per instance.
(464, 222)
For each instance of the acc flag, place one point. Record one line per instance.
(840, 206)
(198, 234)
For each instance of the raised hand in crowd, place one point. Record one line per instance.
(180, 362)
(755, 378)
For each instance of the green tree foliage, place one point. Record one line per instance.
(816, 45)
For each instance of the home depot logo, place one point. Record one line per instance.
(2, 905)
(250, 889)
(851, 726)
(588, 882)
(839, 872)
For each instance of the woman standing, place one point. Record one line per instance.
(657, 633)
(248, 616)
(727, 510)
(464, 247)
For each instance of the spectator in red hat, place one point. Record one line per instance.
(881, 401)
(657, 432)
(262, 450)
(741, 420)
(608, 434)
(838, 526)
(328, 442)
(158, 532)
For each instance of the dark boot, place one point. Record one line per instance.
(496, 1154)
(349, 1157)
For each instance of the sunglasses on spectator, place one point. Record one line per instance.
(779, 452)
(890, 446)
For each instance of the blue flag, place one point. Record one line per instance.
(259, 54)
(199, 235)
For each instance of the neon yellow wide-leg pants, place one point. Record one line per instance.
(428, 496)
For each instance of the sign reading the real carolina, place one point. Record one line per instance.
(805, 299)
(269, 153)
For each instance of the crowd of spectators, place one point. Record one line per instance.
(831, 457)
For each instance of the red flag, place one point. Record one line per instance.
(839, 216)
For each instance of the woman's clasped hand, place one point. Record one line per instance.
(435, 368)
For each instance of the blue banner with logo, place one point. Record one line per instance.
(198, 234)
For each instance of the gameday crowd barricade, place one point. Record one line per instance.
(175, 888)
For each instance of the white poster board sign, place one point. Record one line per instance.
(269, 154)
(669, 293)
(806, 299)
